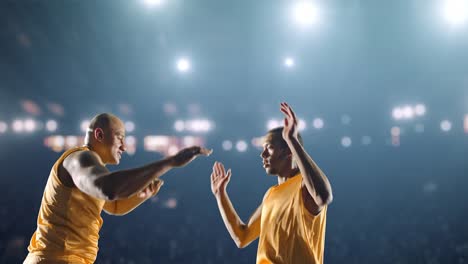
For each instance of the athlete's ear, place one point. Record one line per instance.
(285, 153)
(99, 134)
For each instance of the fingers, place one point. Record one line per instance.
(205, 151)
(287, 110)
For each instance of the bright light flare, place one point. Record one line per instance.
(318, 123)
(455, 12)
(51, 125)
(152, 3)
(227, 145)
(446, 125)
(3, 127)
(346, 142)
(306, 13)
(241, 146)
(183, 65)
(289, 62)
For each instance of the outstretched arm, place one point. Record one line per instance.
(317, 187)
(125, 206)
(242, 234)
(93, 178)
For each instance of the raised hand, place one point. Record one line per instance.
(186, 155)
(152, 189)
(290, 130)
(219, 178)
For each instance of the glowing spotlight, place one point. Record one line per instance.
(289, 62)
(397, 113)
(301, 125)
(455, 12)
(151, 3)
(198, 125)
(273, 123)
(3, 127)
(241, 146)
(407, 112)
(130, 143)
(18, 126)
(183, 65)
(306, 13)
(130, 140)
(71, 141)
(85, 125)
(318, 123)
(172, 150)
(227, 145)
(346, 142)
(51, 125)
(446, 125)
(29, 125)
(179, 125)
(171, 203)
(420, 109)
(129, 126)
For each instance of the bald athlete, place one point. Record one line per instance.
(290, 222)
(80, 186)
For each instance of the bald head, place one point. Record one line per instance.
(104, 121)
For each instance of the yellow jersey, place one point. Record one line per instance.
(68, 223)
(289, 233)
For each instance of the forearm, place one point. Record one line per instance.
(315, 180)
(125, 183)
(232, 221)
(124, 206)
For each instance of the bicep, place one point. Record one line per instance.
(309, 202)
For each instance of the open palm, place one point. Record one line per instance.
(219, 178)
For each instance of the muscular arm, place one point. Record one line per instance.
(93, 178)
(125, 206)
(317, 190)
(314, 180)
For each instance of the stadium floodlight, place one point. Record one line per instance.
(129, 126)
(446, 125)
(306, 13)
(227, 145)
(346, 142)
(241, 146)
(318, 123)
(51, 125)
(3, 127)
(455, 12)
(152, 3)
(420, 109)
(183, 65)
(18, 126)
(273, 123)
(289, 62)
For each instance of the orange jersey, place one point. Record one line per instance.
(68, 223)
(289, 232)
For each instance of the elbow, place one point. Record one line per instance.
(106, 192)
(240, 243)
